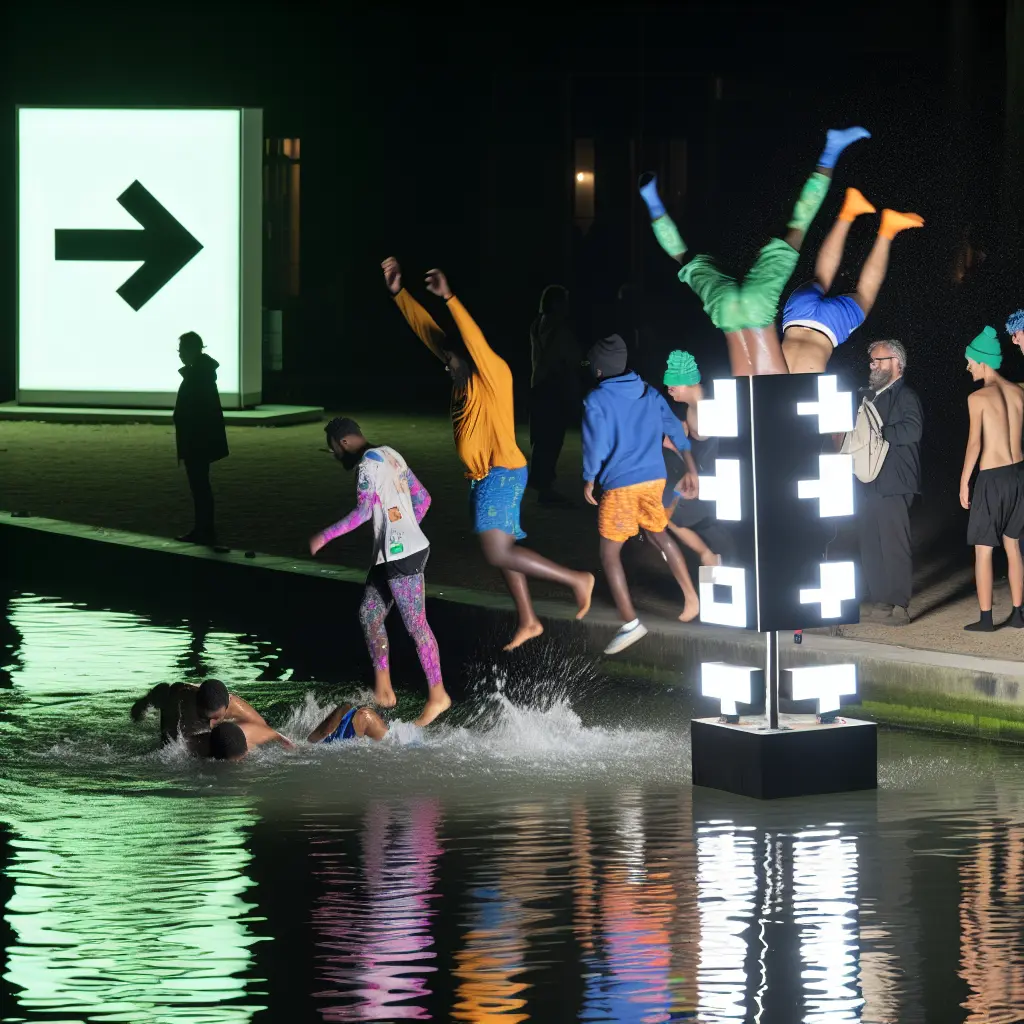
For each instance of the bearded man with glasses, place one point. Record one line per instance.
(883, 510)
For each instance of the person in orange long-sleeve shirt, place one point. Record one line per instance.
(485, 438)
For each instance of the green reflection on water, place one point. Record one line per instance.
(129, 908)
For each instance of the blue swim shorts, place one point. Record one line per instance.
(837, 317)
(345, 731)
(494, 501)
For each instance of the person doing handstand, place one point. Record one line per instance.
(485, 438)
(745, 310)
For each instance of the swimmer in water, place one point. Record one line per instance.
(231, 741)
(187, 709)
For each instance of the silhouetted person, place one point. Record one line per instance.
(554, 389)
(199, 431)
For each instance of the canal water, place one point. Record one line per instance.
(540, 856)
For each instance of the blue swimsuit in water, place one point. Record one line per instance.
(345, 731)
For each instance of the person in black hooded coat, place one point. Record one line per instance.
(199, 431)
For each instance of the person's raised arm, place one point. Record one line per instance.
(973, 450)
(420, 496)
(366, 495)
(485, 359)
(422, 323)
(908, 428)
(241, 711)
(156, 698)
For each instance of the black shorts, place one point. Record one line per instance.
(411, 565)
(997, 506)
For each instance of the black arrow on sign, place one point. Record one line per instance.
(162, 244)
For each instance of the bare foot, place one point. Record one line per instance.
(691, 609)
(584, 592)
(436, 705)
(710, 558)
(384, 696)
(524, 633)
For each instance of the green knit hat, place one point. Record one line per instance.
(985, 349)
(681, 370)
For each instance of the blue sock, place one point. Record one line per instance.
(837, 140)
(649, 194)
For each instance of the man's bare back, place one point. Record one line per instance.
(1000, 406)
(181, 714)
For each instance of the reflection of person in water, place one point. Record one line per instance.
(187, 709)
(372, 965)
(231, 741)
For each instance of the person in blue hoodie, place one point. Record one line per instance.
(625, 421)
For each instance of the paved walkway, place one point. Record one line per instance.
(279, 486)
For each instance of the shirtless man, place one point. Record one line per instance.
(187, 710)
(997, 508)
(231, 741)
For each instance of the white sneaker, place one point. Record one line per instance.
(626, 637)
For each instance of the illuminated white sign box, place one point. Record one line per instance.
(135, 226)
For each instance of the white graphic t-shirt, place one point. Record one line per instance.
(396, 534)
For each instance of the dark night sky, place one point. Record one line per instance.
(439, 135)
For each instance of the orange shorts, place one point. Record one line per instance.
(625, 511)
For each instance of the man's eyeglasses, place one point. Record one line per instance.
(876, 360)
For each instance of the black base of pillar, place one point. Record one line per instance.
(800, 760)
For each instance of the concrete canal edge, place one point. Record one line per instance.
(899, 686)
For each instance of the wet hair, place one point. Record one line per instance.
(342, 426)
(212, 696)
(897, 350)
(192, 340)
(226, 741)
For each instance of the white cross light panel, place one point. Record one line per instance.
(729, 684)
(724, 489)
(838, 584)
(824, 683)
(833, 488)
(834, 408)
(722, 613)
(719, 416)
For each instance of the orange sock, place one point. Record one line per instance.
(854, 205)
(893, 223)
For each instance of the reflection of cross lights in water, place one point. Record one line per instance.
(991, 926)
(379, 942)
(825, 911)
(726, 891)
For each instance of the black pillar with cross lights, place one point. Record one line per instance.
(781, 486)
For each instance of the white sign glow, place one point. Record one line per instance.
(135, 226)
(729, 684)
(834, 408)
(825, 684)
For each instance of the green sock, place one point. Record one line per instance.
(812, 195)
(667, 234)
